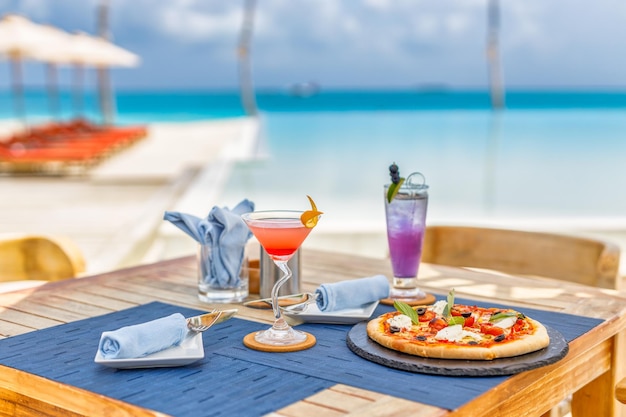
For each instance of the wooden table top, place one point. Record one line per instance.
(590, 369)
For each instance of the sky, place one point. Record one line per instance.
(345, 44)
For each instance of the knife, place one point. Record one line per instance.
(204, 321)
(283, 301)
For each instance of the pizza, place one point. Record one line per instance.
(460, 332)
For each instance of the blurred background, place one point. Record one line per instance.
(350, 44)
(514, 111)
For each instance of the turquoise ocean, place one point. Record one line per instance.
(555, 157)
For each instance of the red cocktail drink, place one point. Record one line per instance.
(280, 238)
(281, 233)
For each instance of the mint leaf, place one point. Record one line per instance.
(501, 316)
(448, 309)
(407, 310)
(456, 320)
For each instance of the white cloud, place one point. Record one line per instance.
(523, 23)
(343, 42)
(456, 23)
(378, 4)
(190, 25)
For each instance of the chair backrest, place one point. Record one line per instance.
(620, 391)
(35, 257)
(569, 258)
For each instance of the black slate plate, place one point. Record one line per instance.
(362, 345)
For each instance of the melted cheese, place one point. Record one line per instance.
(439, 306)
(456, 334)
(401, 322)
(505, 323)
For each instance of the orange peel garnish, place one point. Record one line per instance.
(310, 217)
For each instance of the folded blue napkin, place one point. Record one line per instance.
(351, 293)
(225, 233)
(143, 339)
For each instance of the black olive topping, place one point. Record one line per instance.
(420, 311)
(420, 338)
(499, 338)
(394, 329)
(466, 314)
(472, 342)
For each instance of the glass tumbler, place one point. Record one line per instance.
(406, 224)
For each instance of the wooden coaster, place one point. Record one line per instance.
(428, 299)
(250, 342)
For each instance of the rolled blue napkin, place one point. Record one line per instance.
(143, 339)
(351, 293)
(225, 233)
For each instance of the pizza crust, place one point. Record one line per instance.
(525, 344)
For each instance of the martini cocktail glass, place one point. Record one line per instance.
(280, 233)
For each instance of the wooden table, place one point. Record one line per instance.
(590, 369)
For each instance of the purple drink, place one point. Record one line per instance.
(406, 222)
(406, 247)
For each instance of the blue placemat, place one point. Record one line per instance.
(231, 379)
(331, 359)
(215, 386)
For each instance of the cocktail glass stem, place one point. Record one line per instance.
(282, 265)
(281, 333)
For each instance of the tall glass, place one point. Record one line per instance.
(406, 224)
(280, 233)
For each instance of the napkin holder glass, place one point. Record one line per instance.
(210, 290)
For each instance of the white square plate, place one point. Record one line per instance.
(190, 350)
(312, 314)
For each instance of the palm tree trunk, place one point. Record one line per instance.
(79, 103)
(246, 86)
(54, 100)
(18, 89)
(104, 81)
(493, 55)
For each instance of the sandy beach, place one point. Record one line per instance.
(114, 211)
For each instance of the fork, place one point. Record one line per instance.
(195, 323)
(311, 298)
(201, 323)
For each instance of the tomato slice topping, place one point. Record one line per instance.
(518, 326)
(437, 323)
(456, 311)
(491, 329)
(427, 316)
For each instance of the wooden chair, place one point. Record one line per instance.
(28, 260)
(620, 391)
(569, 258)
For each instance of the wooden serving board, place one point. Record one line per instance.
(362, 345)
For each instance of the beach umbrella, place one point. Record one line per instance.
(19, 37)
(87, 50)
(111, 56)
(96, 51)
(54, 53)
